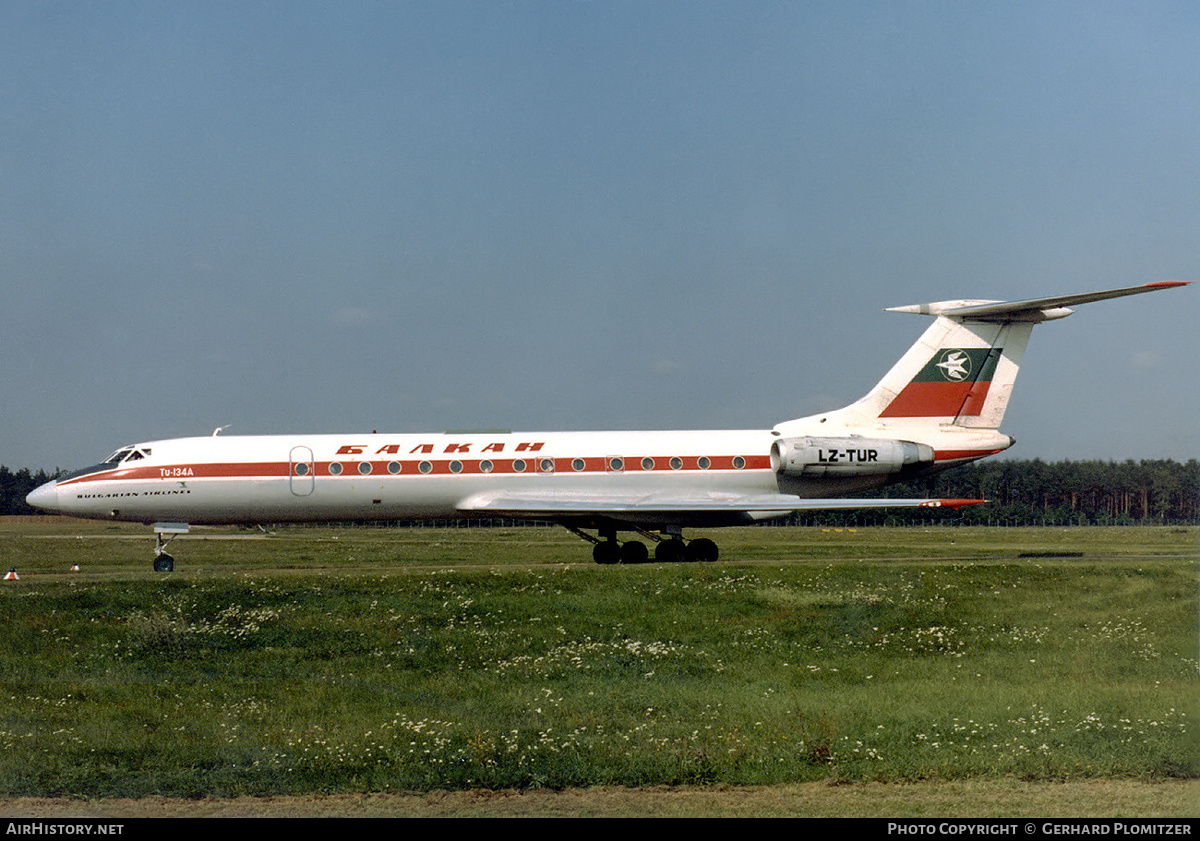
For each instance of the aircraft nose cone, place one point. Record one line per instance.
(45, 497)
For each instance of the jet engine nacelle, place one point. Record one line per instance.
(851, 456)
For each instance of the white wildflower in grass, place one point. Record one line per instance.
(594, 655)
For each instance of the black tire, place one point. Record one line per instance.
(670, 551)
(703, 550)
(606, 552)
(164, 563)
(634, 552)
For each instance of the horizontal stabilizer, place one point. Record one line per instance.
(1039, 309)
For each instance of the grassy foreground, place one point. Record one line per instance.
(361, 660)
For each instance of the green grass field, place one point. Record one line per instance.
(372, 660)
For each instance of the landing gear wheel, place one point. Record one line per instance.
(606, 552)
(702, 549)
(670, 551)
(634, 552)
(164, 563)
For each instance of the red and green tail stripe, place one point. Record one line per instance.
(953, 383)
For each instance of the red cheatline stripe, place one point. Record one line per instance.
(958, 455)
(184, 472)
(411, 467)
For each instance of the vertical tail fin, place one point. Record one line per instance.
(960, 373)
(962, 370)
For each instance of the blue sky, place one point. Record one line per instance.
(416, 216)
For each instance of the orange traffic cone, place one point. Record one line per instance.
(12, 575)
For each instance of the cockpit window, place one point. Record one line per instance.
(127, 454)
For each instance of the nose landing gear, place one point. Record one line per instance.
(162, 561)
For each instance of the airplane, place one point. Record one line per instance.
(939, 406)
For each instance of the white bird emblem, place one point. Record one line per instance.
(955, 365)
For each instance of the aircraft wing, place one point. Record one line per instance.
(668, 509)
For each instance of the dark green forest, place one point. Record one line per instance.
(1019, 493)
(1033, 492)
(15, 486)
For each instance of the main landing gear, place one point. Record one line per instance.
(669, 548)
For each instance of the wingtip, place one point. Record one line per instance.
(951, 503)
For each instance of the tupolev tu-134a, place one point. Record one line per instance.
(939, 406)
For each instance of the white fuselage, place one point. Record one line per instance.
(281, 478)
(393, 477)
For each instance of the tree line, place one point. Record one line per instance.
(1032, 492)
(1019, 493)
(15, 486)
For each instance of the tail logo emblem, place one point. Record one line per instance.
(955, 365)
